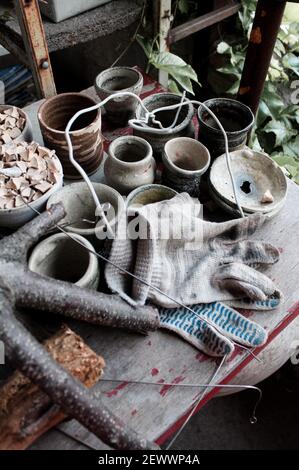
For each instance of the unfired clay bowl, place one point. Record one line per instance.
(60, 257)
(185, 161)
(254, 174)
(130, 164)
(80, 209)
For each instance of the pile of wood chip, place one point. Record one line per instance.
(27, 171)
(11, 125)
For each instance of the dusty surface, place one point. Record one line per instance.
(92, 24)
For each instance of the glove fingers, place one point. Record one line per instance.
(243, 281)
(204, 337)
(232, 324)
(251, 253)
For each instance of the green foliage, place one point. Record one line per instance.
(181, 74)
(278, 118)
(5, 17)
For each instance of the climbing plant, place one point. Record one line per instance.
(276, 130)
(181, 74)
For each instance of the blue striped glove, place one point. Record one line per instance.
(225, 324)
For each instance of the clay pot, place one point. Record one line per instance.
(185, 160)
(130, 164)
(149, 194)
(80, 209)
(60, 257)
(236, 118)
(183, 128)
(54, 115)
(116, 79)
(26, 134)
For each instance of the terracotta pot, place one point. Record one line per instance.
(236, 118)
(26, 134)
(183, 128)
(130, 164)
(60, 257)
(54, 115)
(116, 79)
(185, 161)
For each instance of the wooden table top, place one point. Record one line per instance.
(157, 410)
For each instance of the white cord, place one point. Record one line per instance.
(145, 125)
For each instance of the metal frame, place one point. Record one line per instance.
(31, 48)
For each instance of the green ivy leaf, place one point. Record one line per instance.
(183, 6)
(173, 87)
(292, 148)
(223, 47)
(280, 130)
(291, 61)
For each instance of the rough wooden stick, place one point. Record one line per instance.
(75, 400)
(25, 411)
(45, 294)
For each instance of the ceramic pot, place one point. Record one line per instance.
(26, 135)
(185, 161)
(54, 115)
(149, 194)
(116, 79)
(183, 128)
(80, 209)
(60, 257)
(236, 118)
(130, 164)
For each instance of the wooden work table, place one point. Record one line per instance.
(156, 411)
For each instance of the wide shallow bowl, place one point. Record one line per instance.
(18, 216)
(254, 174)
(80, 209)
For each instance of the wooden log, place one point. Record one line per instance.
(26, 412)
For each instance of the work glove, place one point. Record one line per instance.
(190, 260)
(215, 327)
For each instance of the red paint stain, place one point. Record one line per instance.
(200, 357)
(246, 313)
(235, 353)
(133, 412)
(154, 372)
(166, 388)
(161, 381)
(115, 391)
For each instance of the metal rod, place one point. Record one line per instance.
(268, 17)
(33, 33)
(202, 22)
